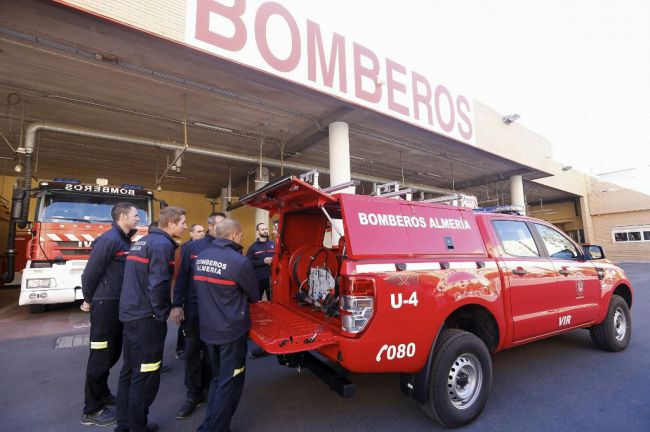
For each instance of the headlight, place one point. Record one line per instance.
(40, 283)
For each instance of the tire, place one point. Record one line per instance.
(36, 308)
(460, 380)
(614, 333)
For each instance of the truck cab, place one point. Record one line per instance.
(68, 217)
(428, 290)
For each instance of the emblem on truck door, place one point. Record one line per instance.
(580, 289)
(565, 320)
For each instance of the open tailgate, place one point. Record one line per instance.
(279, 330)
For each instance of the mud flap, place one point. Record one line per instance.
(279, 330)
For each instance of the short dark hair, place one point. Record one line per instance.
(121, 208)
(170, 215)
(257, 227)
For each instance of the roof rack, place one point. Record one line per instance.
(392, 190)
(504, 209)
(310, 177)
(458, 200)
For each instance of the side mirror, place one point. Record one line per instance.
(594, 252)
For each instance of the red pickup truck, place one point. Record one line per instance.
(425, 289)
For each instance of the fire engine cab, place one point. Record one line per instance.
(376, 284)
(68, 217)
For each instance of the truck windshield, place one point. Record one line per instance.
(72, 207)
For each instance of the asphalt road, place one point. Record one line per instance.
(558, 384)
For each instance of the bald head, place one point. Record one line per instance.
(229, 229)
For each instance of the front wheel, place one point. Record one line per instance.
(614, 333)
(460, 381)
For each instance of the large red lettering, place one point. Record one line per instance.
(266, 11)
(419, 81)
(448, 125)
(463, 112)
(232, 13)
(371, 73)
(393, 85)
(315, 43)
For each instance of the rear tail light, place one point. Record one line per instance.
(357, 303)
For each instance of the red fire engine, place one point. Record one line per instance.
(425, 289)
(68, 217)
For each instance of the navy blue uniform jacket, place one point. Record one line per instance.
(184, 289)
(102, 277)
(256, 254)
(148, 271)
(225, 283)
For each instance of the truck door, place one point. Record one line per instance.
(577, 280)
(531, 278)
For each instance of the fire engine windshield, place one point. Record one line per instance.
(62, 207)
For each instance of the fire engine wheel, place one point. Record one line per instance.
(460, 380)
(36, 308)
(614, 333)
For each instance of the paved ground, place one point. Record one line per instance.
(559, 384)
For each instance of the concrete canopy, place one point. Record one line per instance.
(64, 66)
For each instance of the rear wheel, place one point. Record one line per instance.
(614, 333)
(461, 377)
(36, 308)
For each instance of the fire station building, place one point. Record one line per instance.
(202, 101)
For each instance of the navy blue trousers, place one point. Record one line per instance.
(228, 368)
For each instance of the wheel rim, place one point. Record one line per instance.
(620, 324)
(464, 381)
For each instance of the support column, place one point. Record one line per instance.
(517, 196)
(261, 179)
(224, 200)
(339, 149)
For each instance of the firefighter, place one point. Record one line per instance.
(185, 312)
(197, 232)
(225, 283)
(260, 254)
(101, 284)
(145, 304)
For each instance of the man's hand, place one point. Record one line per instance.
(177, 315)
(85, 307)
(268, 260)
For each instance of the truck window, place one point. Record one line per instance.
(516, 238)
(557, 245)
(71, 207)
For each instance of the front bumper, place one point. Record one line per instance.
(65, 283)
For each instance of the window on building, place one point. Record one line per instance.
(631, 234)
(634, 236)
(620, 236)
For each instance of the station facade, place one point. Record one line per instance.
(207, 100)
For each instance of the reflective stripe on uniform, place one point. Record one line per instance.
(138, 259)
(238, 371)
(214, 280)
(150, 367)
(99, 345)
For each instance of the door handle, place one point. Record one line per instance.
(520, 271)
(564, 271)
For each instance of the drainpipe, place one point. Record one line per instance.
(34, 128)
